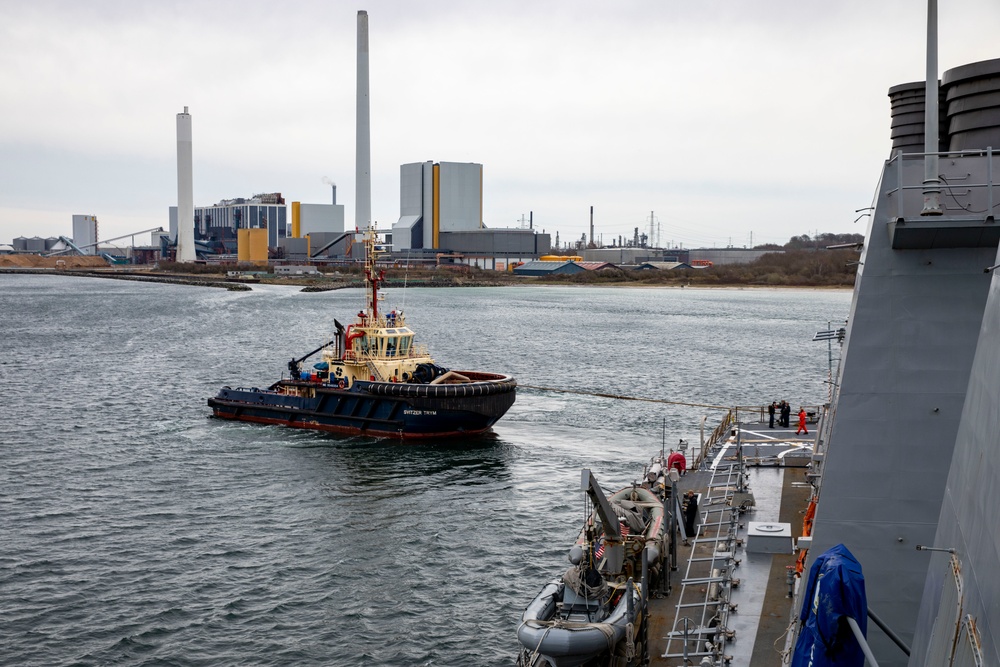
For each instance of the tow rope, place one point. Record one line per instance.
(622, 397)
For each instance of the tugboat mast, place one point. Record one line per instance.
(373, 275)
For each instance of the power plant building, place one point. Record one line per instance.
(315, 218)
(216, 226)
(441, 214)
(264, 211)
(436, 197)
(252, 246)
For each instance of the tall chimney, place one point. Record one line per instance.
(363, 157)
(334, 187)
(185, 190)
(591, 225)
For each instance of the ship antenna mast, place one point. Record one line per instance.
(373, 276)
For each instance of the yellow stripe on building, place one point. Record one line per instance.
(437, 206)
(296, 224)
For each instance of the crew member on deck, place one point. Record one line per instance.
(802, 422)
(770, 410)
(690, 515)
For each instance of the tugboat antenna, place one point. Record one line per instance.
(372, 275)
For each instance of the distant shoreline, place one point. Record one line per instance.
(324, 285)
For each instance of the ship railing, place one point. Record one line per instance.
(719, 433)
(390, 321)
(375, 373)
(813, 413)
(416, 351)
(980, 196)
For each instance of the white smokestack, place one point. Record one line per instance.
(363, 158)
(185, 190)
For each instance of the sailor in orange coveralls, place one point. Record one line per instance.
(802, 422)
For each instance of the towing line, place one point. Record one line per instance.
(625, 398)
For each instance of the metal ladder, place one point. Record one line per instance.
(700, 627)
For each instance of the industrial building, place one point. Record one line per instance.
(313, 218)
(718, 256)
(437, 197)
(253, 245)
(441, 220)
(317, 218)
(663, 266)
(540, 268)
(216, 226)
(85, 233)
(35, 244)
(637, 255)
(627, 255)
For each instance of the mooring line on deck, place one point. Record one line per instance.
(625, 398)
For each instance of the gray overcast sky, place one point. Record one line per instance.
(725, 118)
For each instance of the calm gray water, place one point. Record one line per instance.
(134, 530)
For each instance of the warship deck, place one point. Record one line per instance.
(733, 598)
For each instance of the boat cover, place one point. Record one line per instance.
(836, 590)
(630, 514)
(586, 582)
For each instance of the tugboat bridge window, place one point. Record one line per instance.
(393, 343)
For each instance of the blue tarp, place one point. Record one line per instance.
(836, 590)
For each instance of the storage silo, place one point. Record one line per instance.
(85, 233)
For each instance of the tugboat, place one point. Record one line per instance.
(374, 380)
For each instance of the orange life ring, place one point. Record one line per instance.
(341, 384)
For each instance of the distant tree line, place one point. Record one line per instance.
(803, 261)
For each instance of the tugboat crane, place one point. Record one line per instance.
(295, 365)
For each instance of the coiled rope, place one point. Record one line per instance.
(629, 642)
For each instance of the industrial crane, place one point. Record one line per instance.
(70, 245)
